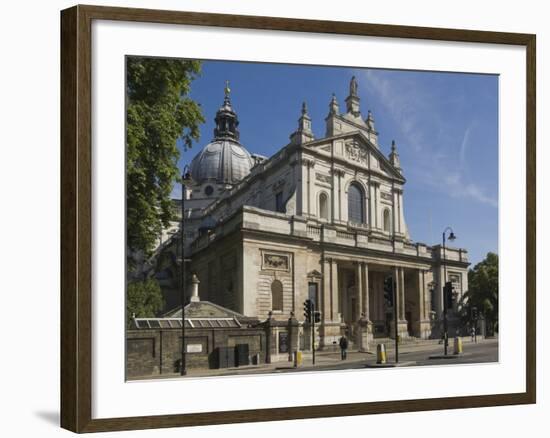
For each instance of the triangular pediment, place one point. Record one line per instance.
(355, 148)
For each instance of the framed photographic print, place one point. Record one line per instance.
(268, 218)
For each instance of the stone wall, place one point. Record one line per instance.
(154, 352)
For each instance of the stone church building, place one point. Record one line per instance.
(324, 219)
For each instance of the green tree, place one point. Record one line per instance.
(483, 292)
(143, 299)
(159, 113)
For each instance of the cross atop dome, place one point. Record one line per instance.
(226, 119)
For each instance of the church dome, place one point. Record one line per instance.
(224, 160)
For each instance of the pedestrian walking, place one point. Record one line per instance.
(343, 347)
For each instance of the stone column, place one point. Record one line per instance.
(378, 208)
(372, 208)
(334, 196)
(427, 298)
(421, 303)
(311, 198)
(395, 223)
(402, 293)
(359, 288)
(330, 328)
(401, 213)
(424, 326)
(324, 295)
(364, 326)
(399, 275)
(340, 175)
(397, 215)
(337, 194)
(308, 164)
(366, 298)
(335, 305)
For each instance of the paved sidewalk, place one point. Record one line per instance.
(327, 360)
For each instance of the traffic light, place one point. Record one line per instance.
(308, 310)
(317, 316)
(475, 314)
(388, 291)
(448, 294)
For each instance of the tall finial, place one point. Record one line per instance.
(333, 106)
(353, 86)
(303, 134)
(227, 90)
(394, 157)
(352, 101)
(370, 121)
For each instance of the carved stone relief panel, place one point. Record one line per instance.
(322, 177)
(355, 152)
(275, 261)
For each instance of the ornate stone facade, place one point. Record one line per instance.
(331, 206)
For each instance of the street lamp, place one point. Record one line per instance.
(184, 177)
(444, 282)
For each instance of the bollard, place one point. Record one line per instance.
(381, 354)
(297, 359)
(458, 345)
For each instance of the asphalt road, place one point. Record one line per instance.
(473, 353)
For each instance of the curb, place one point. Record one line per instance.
(390, 365)
(449, 356)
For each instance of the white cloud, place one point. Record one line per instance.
(464, 145)
(422, 127)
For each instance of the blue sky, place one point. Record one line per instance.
(445, 126)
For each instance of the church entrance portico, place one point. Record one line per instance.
(362, 297)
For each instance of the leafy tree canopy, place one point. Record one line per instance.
(144, 299)
(483, 290)
(159, 112)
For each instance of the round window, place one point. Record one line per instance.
(208, 190)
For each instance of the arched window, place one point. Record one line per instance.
(277, 296)
(323, 206)
(387, 220)
(356, 204)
